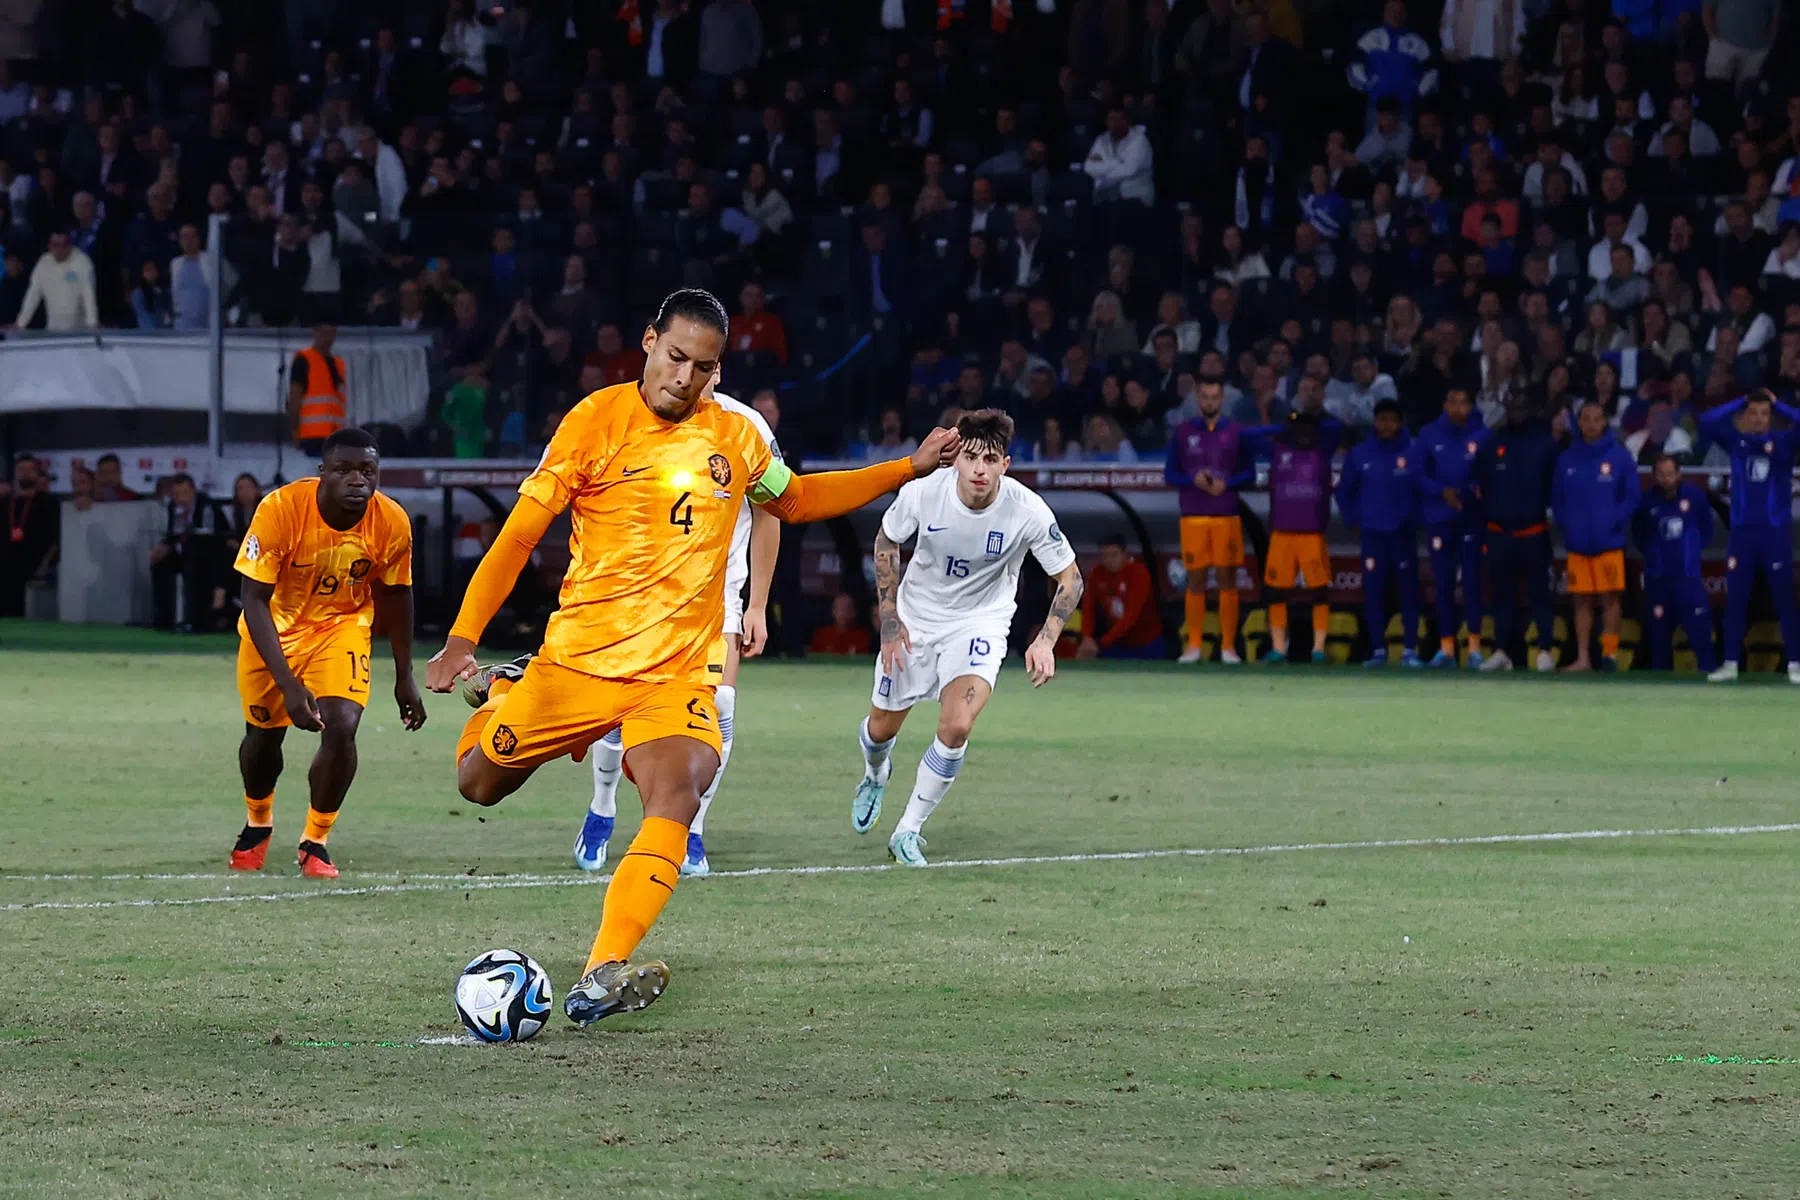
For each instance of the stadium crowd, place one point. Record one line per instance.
(1080, 211)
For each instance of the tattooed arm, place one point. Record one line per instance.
(1040, 656)
(895, 641)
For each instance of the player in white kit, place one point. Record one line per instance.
(944, 627)
(754, 544)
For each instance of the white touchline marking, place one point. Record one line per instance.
(494, 883)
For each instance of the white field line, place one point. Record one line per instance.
(467, 883)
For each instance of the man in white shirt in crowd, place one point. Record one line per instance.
(62, 283)
(1121, 161)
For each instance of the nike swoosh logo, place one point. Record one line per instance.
(654, 879)
(632, 470)
(936, 528)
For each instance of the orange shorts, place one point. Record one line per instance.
(1297, 560)
(1212, 542)
(332, 662)
(1595, 574)
(555, 710)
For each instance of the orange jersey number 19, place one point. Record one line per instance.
(321, 575)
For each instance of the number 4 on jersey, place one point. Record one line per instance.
(682, 513)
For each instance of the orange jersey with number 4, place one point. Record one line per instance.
(652, 505)
(322, 575)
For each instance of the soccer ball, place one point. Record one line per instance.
(504, 996)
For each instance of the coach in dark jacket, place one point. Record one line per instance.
(187, 558)
(1513, 475)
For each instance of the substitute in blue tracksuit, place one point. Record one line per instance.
(1762, 518)
(1379, 495)
(1594, 498)
(1674, 525)
(1511, 481)
(1453, 525)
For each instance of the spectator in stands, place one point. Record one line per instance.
(190, 296)
(1392, 60)
(1121, 161)
(1661, 436)
(109, 480)
(845, 634)
(1512, 479)
(465, 411)
(1594, 498)
(618, 362)
(150, 300)
(764, 203)
(1109, 331)
(1354, 401)
(1118, 609)
(1673, 526)
(62, 284)
(1741, 33)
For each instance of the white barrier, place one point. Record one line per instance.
(389, 375)
(103, 577)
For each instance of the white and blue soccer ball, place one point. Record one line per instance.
(504, 996)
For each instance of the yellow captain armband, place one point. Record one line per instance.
(774, 481)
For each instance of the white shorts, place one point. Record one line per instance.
(931, 665)
(734, 610)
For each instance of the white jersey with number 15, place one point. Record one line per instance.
(965, 568)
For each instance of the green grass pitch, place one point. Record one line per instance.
(1242, 1025)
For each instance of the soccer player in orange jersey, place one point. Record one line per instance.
(652, 474)
(319, 557)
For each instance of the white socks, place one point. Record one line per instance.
(937, 771)
(726, 700)
(874, 753)
(609, 756)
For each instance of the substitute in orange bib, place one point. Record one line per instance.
(319, 557)
(652, 474)
(318, 400)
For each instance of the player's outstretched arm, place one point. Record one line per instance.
(302, 707)
(395, 604)
(488, 590)
(1040, 656)
(798, 499)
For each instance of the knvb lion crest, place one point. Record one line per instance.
(259, 714)
(506, 742)
(720, 466)
(360, 568)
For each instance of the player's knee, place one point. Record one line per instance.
(1196, 582)
(955, 731)
(476, 785)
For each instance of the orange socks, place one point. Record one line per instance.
(318, 825)
(1609, 645)
(1447, 645)
(1196, 618)
(1321, 625)
(1474, 643)
(262, 812)
(640, 887)
(476, 725)
(1228, 616)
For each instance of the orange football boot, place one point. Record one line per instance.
(252, 848)
(315, 861)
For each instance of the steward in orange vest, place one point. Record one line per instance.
(317, 400)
